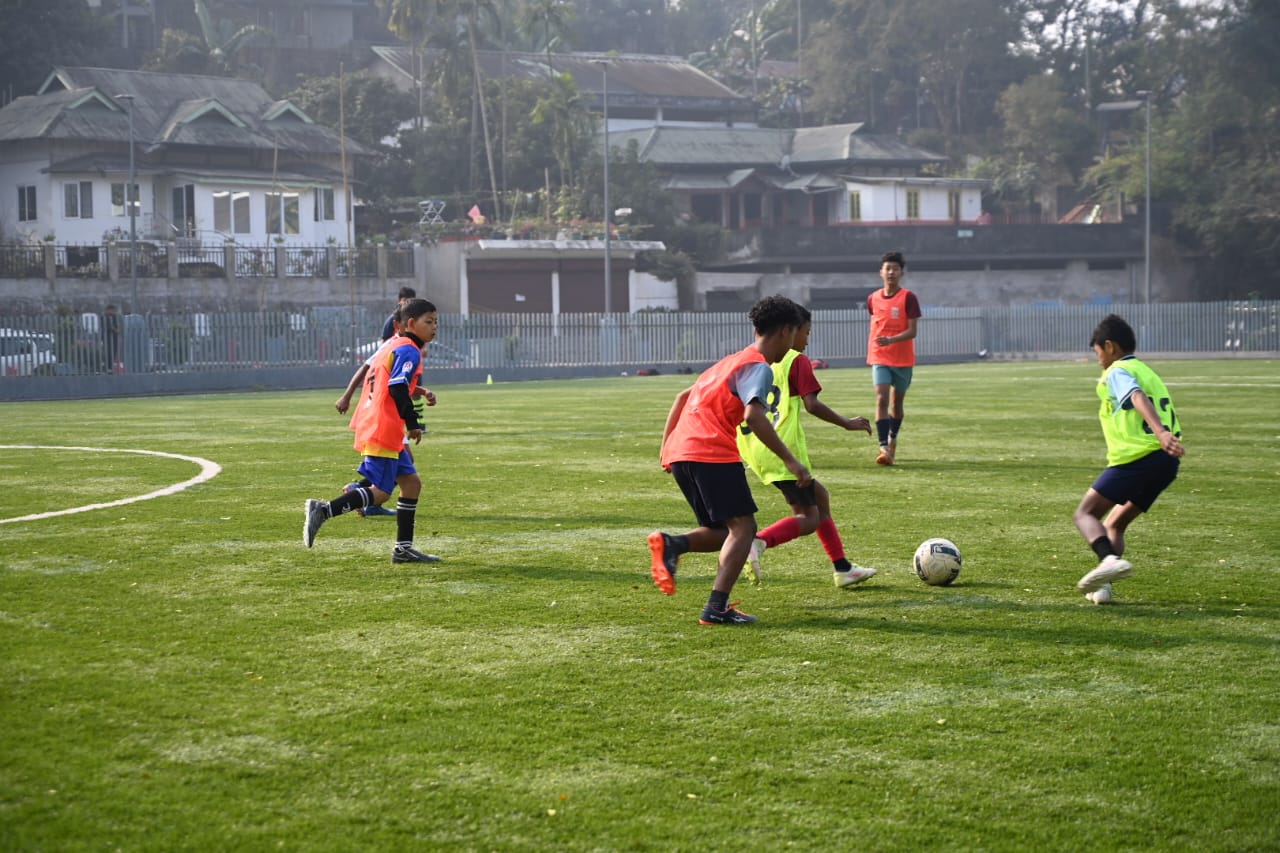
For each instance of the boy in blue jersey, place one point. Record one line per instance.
(1143, 448)
(383, 419)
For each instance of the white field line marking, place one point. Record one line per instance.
(208, 470)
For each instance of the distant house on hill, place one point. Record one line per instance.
(214, 158)
(644, 90)
(808, 176)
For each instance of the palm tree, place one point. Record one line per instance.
(553, 19)
(562, 109)
(224, 39)
(410, 20)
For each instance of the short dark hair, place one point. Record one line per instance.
(773, 313)
(893, 258)
(407, 293)
(806, 316)
(1113, 328)
(415, 308)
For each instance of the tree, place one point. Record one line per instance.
(36, 35)
(570, 125)
(224, 38)
(375, 110)
(551, 21)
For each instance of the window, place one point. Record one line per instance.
(913, 204)
(184, 210)
(27, 204)
(282, 213)
(77, 200)
(953, 205)
(118, 207)
(855, 206)
(231, 212)
(324, 204)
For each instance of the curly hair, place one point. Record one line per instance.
(773, 313)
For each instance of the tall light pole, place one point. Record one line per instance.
(130, 198)
(608, 256)
(1146, 232)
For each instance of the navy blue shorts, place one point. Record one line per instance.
(1138, 482)
(717, 491)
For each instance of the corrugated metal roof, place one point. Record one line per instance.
(80, 103)
(834, 145)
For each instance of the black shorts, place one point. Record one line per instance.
(717, 491)
(1138, 482)
(796, 496)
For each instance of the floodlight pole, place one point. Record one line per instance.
(133, 210)
(608, 256)
(1146, 233)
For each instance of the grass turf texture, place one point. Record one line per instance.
(183, 674)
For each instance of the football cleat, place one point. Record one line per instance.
(1112, 568)
(662, 565)
(885, 456)
(856, 574)
(729, 616)
(1101, 595)
(405, 554)
(753, 557)
(315, 513)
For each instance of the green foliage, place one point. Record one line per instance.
(39, 34)
(373, 108)
(186, 656)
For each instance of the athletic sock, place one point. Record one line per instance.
(831, 542)
(780, 532)
(895, 425)
(841, 565)
(354, 499)
(718, 600)
(882, 430)
(406, 513)
(678, 544)
(1102, 547)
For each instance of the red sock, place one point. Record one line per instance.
(780, 532)
(830, 539)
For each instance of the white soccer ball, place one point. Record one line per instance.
(937, 562)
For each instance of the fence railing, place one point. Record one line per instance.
(203, 261)
(77, 344)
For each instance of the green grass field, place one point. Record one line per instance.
(182, 674)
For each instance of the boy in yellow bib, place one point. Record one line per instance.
(795, 390)
(1143, 448)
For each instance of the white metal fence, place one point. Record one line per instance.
(80, 344)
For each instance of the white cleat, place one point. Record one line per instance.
(753, 557)
(1112, 568)
(1101, 595)
(856, 574)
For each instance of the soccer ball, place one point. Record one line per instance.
(937, 562)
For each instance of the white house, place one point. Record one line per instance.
(749, 177)
(215, 159)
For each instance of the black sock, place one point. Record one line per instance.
(354, 499)
(718, 600)
(882, 429)
(842, 565)
(678, 544)
(406, 513)
(1102, 547)
(895, 425)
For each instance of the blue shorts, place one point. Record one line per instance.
(383, 471)
(898, 377)
(1138, 482)
(717, 491)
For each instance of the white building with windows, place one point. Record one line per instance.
(215, 159)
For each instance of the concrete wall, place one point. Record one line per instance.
(1074, 284)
